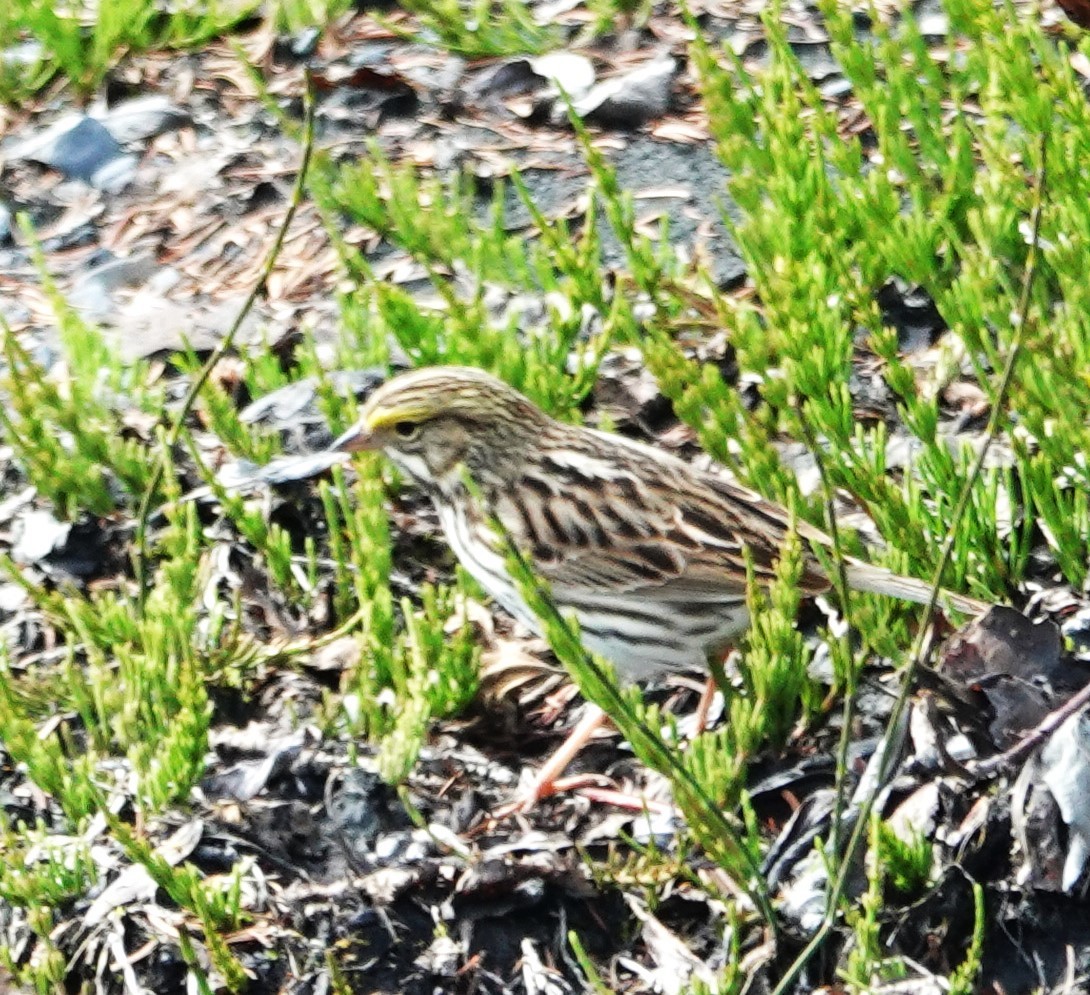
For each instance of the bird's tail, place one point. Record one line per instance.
(878, 580)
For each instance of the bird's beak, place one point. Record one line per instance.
(357, 439)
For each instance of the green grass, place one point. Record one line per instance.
(823, 229)
(941, 200)
(80, 41)
(480, 28)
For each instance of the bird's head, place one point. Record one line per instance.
(435, 420)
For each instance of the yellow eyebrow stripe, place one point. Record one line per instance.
(408, 410)
(386, 417)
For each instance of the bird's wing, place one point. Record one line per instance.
(624, 518)
(644, 522)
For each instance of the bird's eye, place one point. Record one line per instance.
(406, 429)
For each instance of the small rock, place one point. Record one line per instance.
(632, 99)
(93, 292)
(38, 534)
(142, 118)
(90, 153)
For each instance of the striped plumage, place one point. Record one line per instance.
(645, 549)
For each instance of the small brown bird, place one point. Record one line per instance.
(647, 551)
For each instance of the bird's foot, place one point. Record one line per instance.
(548, 780)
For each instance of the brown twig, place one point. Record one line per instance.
(1029, 742)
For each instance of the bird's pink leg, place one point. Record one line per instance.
(716, 679)
(707, 696)
(545, 782)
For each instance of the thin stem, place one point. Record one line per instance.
(925, 640)
(170, 439)
(843, 590)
